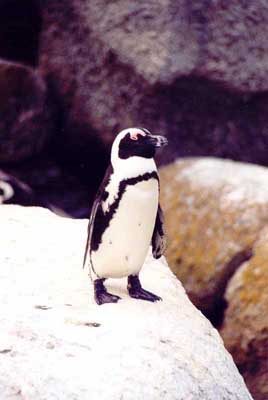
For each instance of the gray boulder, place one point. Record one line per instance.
(189, 69)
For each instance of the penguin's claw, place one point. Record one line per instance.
(142, 294)
(105, 297)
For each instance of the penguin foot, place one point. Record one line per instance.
(143, 294)
(105, 297)
(137, 292)
(101, 295)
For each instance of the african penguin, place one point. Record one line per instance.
(126, 217)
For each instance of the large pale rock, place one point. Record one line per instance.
(26, 117)
(214, 210)
(56, 343)
(245, 327)
(187, 69)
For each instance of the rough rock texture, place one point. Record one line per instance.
(217, 218)
(214, 212)
(56, 343)
(193, 70)
(245, 328)
(167, 40)
(25, 123)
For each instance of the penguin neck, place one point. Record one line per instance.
(133, 166)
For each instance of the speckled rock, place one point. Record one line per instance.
(26, 122)
(192, 70)
(55, 342)
(214, 210)
(167, 40)
(245, 327)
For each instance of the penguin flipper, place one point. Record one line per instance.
(94, 209)
(158, 238)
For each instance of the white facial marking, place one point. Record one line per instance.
(135, 135)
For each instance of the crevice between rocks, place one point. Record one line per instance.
(20, 27)
(208, 118)
(216, 314)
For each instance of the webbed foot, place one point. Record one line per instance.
(137, 292)
(101, 295)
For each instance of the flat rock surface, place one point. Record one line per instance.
(56, 343)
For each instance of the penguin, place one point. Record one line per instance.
(126, 217)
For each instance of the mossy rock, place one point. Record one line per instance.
(245, 328)
(214, 211)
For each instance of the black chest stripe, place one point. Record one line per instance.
(102, 219)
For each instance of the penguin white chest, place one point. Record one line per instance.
(126, 241)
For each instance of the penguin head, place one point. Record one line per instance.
(137, 142)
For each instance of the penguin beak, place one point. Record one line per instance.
(157, 140)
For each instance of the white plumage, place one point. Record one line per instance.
(126, 242)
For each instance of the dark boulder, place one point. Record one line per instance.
(26, 115)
